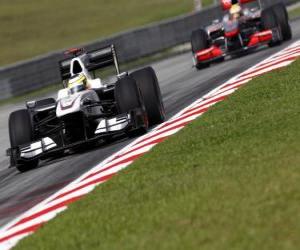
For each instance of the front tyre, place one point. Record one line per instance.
(270, 22)
(148, 84)
(128, 97)
(200, 41)
(283, 20)
(20, 133)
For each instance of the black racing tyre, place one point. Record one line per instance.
(200, 41)
(21, 132)
(283, 20)
(269, 21)
(148, 84)
(128, 97)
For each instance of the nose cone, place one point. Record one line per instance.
(68, 105)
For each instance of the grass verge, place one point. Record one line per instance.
(29, 28)
(294, 13)
(230, 180)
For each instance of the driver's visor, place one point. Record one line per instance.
(76, 87)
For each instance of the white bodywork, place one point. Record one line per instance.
(82, 101)
(92, 83)
(74, 103)
(37, 148)
(68, 103)
(113, 124)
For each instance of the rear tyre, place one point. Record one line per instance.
(269, 22)
(283, 20)
(21, 132)
(200, 41)
(128, 97)
(148, 84)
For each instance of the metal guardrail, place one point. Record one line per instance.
(43, 71)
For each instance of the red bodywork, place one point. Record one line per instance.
(260, 38)
(214, 52)
(226, 4)
(232, 33)
(246, 1)
(74, 51)
(209, 54)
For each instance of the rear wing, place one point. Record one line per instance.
(93, 60)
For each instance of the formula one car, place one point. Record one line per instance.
(87, 110)
(245, 26)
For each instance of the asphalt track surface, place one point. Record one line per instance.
(180, 84)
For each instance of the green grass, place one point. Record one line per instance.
(230, 180)
(294, 13)
(29, 28)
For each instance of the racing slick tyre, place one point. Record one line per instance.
(200, 41)
(128, 97)
(21, 132)
(283, 20)
(270, 22)
(148, 84)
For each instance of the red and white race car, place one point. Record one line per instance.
(244, 26)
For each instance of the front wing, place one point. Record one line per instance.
(48, 146)
(215, 53)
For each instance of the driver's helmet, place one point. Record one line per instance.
(77, 83)
(235, 11)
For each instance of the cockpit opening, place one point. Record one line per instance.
(77, 69)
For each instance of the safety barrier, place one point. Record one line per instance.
(43, 71)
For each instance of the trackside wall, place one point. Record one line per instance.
(43, 71)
